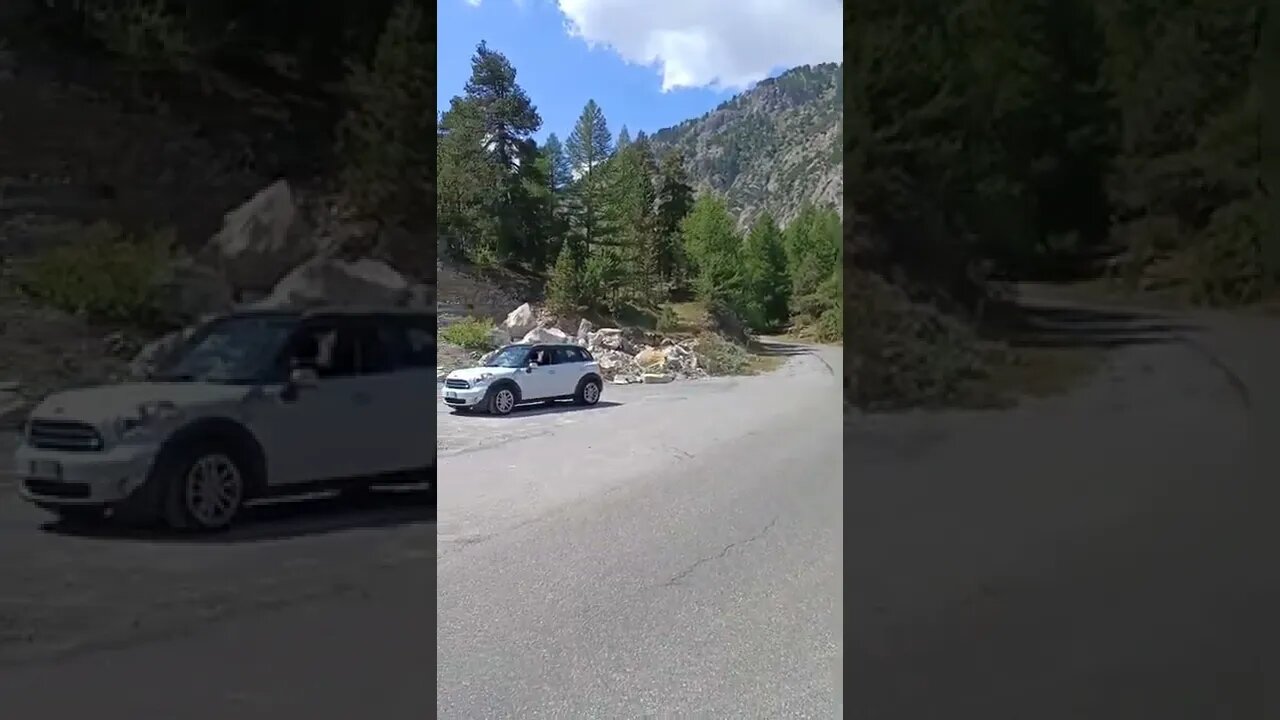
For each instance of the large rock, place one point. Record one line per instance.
(607, 339)
(584, 333)
(651, 358)
(185, 292)
(262, 240)
(617, 365)
(326, 281)
(520, 321)
(545, 335)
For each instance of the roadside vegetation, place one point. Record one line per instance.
(1041, 141)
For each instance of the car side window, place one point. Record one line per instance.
(564, 356)
(540, 356)
(324, 347)
(374, 355)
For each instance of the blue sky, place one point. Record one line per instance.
(696, 53)
(559, 72)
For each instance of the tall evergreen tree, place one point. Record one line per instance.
(766, 281)
(624, 138)
(588, 149)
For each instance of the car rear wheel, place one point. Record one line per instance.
(502, 401)
(588, 392)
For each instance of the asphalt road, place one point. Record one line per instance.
(675, 555)
(679, 551)
(321, 611)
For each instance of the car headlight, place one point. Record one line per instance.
(144, 417)
(484, 378)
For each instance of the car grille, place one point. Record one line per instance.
(456, 384)
(63, 435)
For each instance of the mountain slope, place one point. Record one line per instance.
(772, 147)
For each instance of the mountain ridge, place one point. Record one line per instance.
(772, 147)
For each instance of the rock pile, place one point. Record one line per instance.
(274, 252)
(625, 356)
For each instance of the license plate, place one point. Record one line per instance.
(45, 470)
(451, 395)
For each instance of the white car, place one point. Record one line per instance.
(253, 404)
(525, 373)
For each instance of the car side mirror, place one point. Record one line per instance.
(530, 366)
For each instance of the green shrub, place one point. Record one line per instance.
(719, 356)
(668, 321)
(471, 333)
(108, 275)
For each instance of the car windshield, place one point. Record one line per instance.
(511, 356)
(230, 350)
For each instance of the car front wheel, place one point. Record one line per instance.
(206, 489)
(502, 401)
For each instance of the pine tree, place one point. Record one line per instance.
(565, 288)
(624, 138)
(674, 201)
(560, 173)
(385, 139)
(766, 282)
(588, 149)
(510, 116)
(491, 195)
(714, 245)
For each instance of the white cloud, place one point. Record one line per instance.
(724, 44)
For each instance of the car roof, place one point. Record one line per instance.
(544, 344)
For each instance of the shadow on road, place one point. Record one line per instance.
(779, 349)
(1048, 326)
(534, 410)
(281, 520)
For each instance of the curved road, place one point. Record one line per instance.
(676, 555)
(675, 549)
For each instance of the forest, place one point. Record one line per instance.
(614, 221)
(1044, 140)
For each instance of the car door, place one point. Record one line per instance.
(538, 379)
(307, 433)
(568, 366)
(397, 360)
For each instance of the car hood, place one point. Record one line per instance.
(104, 403)
(474, 374)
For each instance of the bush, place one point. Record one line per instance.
(471, 334)
(905, 354)
(719, 356)
(668, 321)
(108, 275)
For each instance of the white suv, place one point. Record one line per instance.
(253, 404)
(525, 373)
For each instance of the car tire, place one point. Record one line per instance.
(588, 392)
(502, 400)
(205, 484)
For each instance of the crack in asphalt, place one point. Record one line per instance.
(675, 579)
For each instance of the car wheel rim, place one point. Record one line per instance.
(591, 393)
(505, 401)
(214, 487)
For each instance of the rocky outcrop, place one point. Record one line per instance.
(328, 281)
(261, 240)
